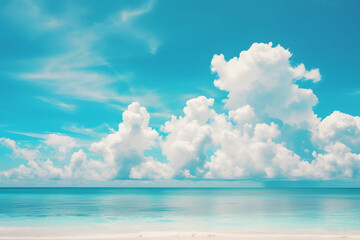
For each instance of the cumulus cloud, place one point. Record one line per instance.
(338, 127)
(34, 168)
(337, 162)
(61, 142)
(248, 150)
(245, 142)
(82, 168)
(151, 169)
(184, 146)
(263, 78)
(300, 72)
(242, 114)
(119, 152)
(19, 152)
(124, 149)
(244, 149)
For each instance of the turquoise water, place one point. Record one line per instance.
(335, 209)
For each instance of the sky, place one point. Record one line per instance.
(179, 92)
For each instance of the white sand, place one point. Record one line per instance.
(68, 233)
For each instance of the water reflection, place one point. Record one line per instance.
(294, 208)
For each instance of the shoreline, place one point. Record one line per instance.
(84, 233)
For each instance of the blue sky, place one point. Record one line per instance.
(71, 68)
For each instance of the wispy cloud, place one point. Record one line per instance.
(152, 42)
(78, 84)
(33, 135)
(81, 72)
(70, 74)
(128, 15)
(33, 16)
(356, 92)
(50, 139)
(125, 20)
(96, 132)
(61, 105)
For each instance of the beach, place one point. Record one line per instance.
(88, 234)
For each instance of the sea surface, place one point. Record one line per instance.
(202, 208)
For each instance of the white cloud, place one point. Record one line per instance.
(61, 142)
(82, 168)
(243, 114)
(188, 136)
(337, 162)
(21, 172)
(125, 148)
(338, 127)
(151, 169)
(300, 72)
(264, 131)
(248, 151)
(121, 151)
(263, 78)
(19, 152)
(244, 149)
(42, 169)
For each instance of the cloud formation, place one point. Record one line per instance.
(119, 152)
(245, 142)
(62, 144)
(184, 146)
(125, 148)
(263, 78)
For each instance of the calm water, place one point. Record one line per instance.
(237, 208)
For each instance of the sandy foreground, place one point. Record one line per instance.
(36, 233)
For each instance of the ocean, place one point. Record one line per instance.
(185, 208)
